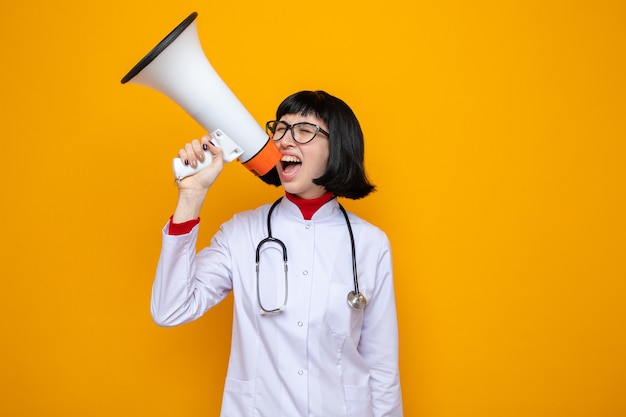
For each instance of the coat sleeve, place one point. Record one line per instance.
(187, 284)
(378, 345)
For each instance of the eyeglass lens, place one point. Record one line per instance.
(302, 132)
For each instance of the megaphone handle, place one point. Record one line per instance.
(230, 152)
(181, 170)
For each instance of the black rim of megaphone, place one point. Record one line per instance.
(160, 47)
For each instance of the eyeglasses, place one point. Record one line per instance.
(302, 132)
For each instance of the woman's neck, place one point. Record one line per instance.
(308, 207)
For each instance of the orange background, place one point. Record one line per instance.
(495, 132)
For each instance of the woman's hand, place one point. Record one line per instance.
(192, 189)
(193, 153)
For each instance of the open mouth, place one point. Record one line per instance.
(290, 164)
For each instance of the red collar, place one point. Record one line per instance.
(309, 207)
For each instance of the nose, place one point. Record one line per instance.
(287, 141)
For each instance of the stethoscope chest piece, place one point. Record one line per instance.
(356, 300)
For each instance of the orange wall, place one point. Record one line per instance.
(495, 133)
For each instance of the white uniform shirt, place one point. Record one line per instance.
(319, 357)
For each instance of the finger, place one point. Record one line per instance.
(191, 156)
(197, 149)
(206, 140)
(212, 147)
(182, 154)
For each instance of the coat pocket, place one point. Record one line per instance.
(238, 398)
(340, 317)
(358, 400)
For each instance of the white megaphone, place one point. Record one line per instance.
(178, 68)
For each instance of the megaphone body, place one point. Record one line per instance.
(178, 68)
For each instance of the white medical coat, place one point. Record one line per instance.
(319, 357)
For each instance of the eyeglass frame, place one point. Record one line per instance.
(271, 134)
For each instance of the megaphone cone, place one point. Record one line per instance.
(178, 68)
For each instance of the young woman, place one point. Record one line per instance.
(314, 321)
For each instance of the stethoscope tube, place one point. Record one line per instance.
(270, 238)
(355, 298)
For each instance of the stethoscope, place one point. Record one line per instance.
(355, 298)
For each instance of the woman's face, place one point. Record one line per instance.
(301, 163)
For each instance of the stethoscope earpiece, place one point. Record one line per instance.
(356, 300)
